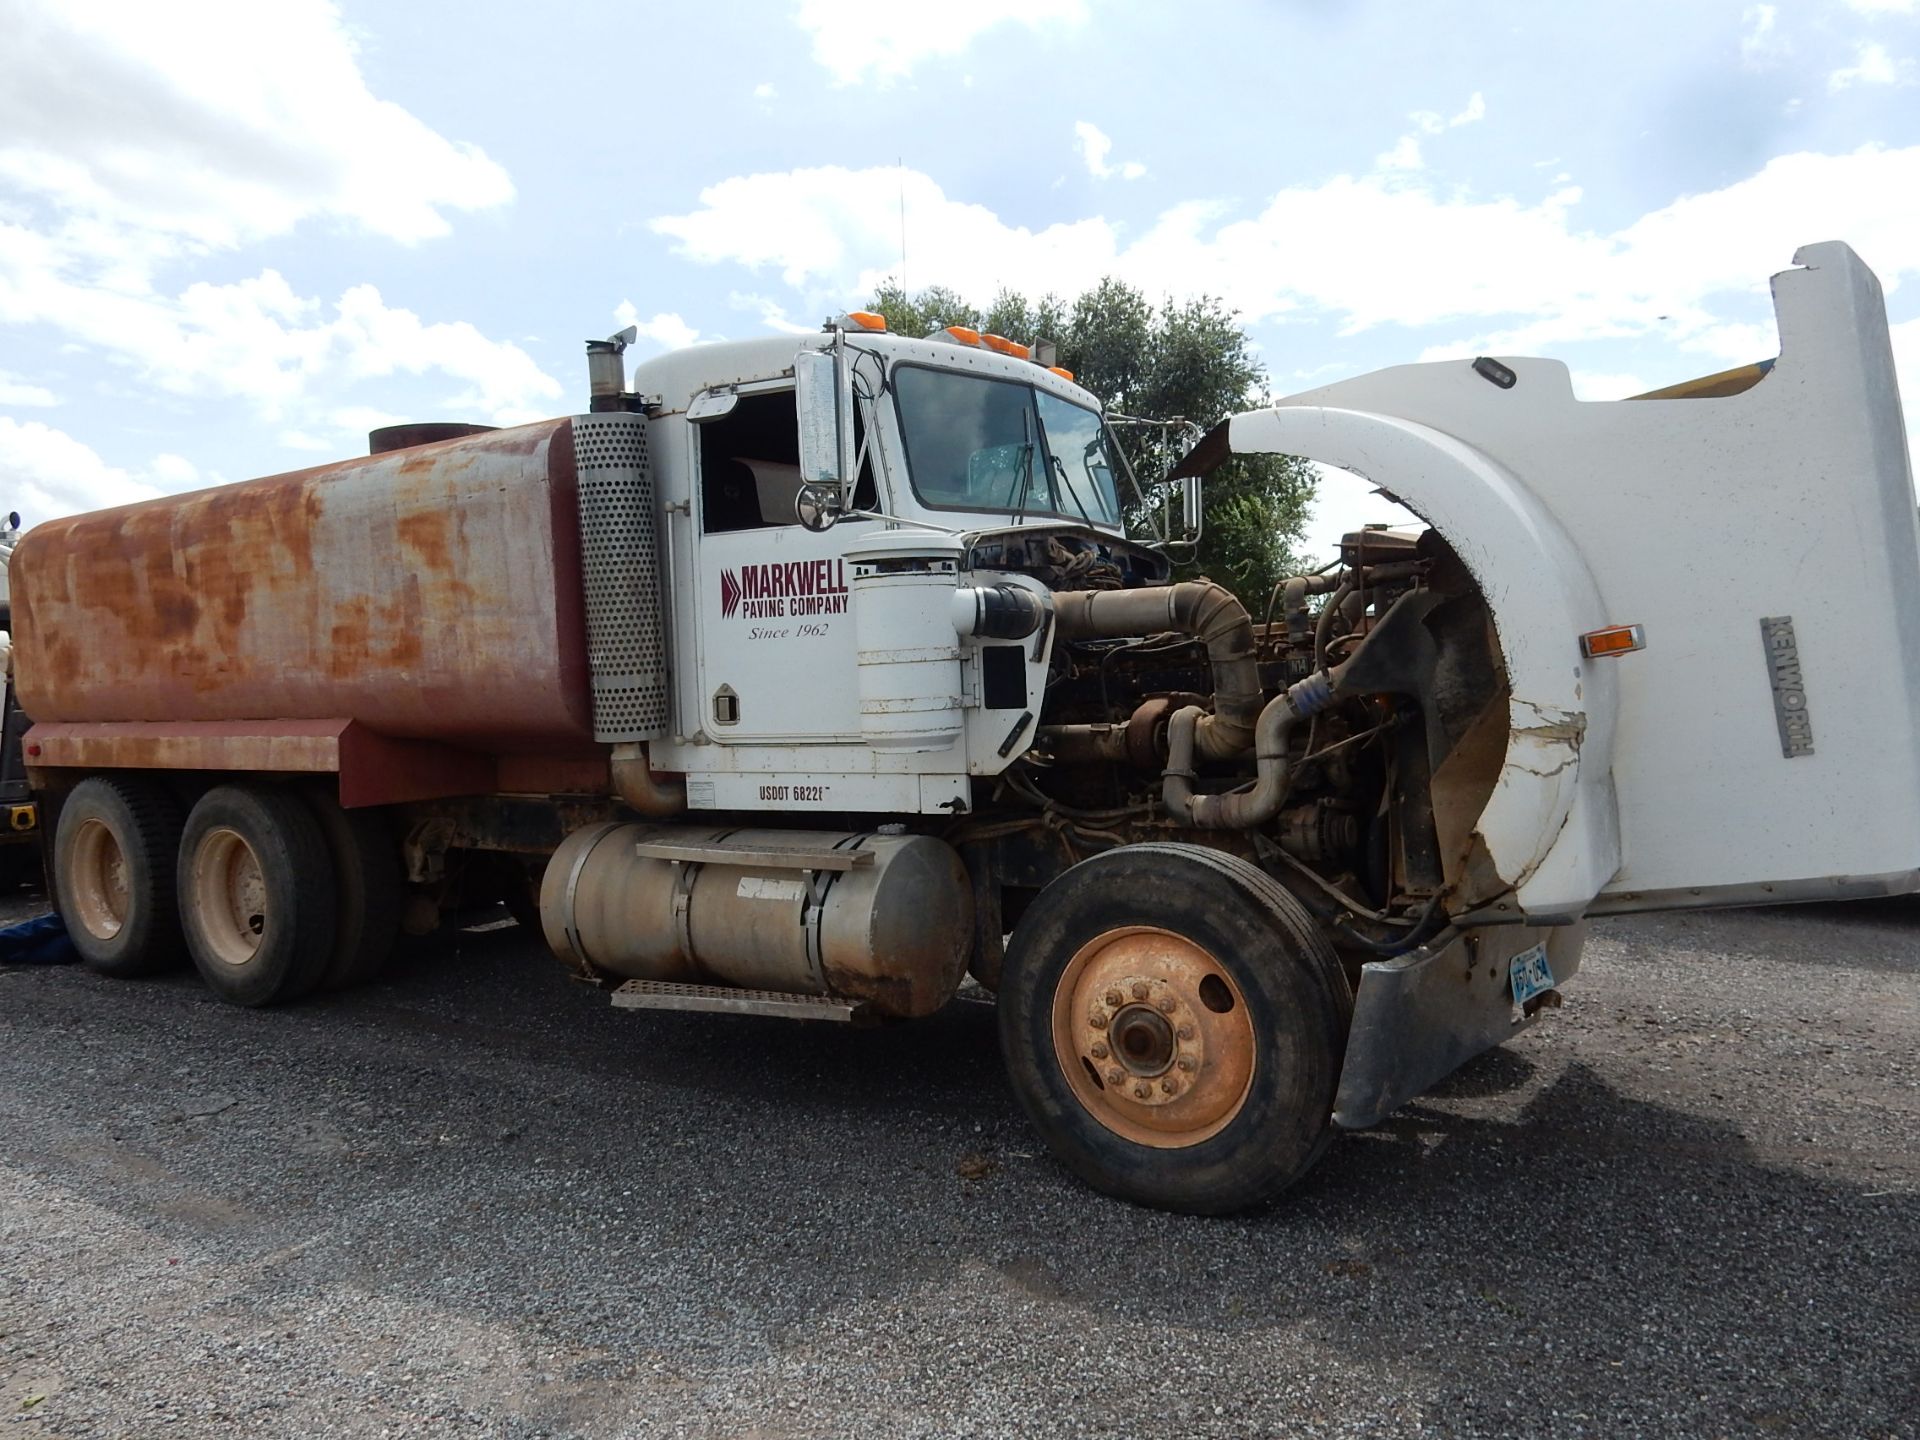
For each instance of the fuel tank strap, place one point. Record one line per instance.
(779, 858)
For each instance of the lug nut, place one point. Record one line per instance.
(1142, 1090)
(1185, 1032)
(1166, 1004)
(1167, 1087)
(1098, 1019)
(1099, 1049)
(1185, 1062)
(1115, 1075)
(1113, 998)
(1139, 989)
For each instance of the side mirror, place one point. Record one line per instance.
(823, 392)
(819, 507)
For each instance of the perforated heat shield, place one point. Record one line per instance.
(619, 555)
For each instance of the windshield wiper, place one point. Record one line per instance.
(1066, 483)
(1018, 501)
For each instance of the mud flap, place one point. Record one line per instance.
(1420, 1017)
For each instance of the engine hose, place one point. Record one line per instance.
(1247, 808)
(1423, 932)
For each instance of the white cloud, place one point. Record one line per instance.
(1872, 65)
(764, 91)
(1882, 7)
(258, 340)
(1406, 153)
(831, 233)
(1369, 251)
(668, 331)
(883, 40)
(1094, 147)
(772, 313)
(362, 420)
(1431, 122)
(1404, 156)
(1762, 46)
(207, 133)
(133, 145)
(46, 473)
(15, 391)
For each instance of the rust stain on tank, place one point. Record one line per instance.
(425, 534)
(417, 592)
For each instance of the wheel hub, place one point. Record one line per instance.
(1148, 1046)
(230, 896)
(1153, 1036)
(1143, 1040)
(100, 880)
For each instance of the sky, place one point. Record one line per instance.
(234, 237)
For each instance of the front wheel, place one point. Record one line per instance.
(1173, 1021)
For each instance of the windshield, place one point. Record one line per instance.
(979, 444)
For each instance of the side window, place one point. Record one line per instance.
(750, 464)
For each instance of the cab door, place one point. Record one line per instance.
(776, 651)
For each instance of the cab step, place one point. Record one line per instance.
(727, 1000)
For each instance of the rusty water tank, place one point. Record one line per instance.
(430, 592)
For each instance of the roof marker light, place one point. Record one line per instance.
(958, 334)
(863, 320)
(1061, 371)
(1614, 640)
(1000, 345)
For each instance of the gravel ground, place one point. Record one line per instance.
(474, 1200)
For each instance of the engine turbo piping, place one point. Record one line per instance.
(1210, 613)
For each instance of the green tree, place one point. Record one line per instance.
(1188, 360)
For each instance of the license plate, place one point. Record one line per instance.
(1531, 975)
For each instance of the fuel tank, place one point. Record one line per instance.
(431, 593)
(883, 920)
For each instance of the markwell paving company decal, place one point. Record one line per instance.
(795, 590)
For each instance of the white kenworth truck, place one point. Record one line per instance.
(802, 677)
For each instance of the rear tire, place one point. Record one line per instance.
(256, 889)
(367, 889)
(113, 874)
(1173, 1021)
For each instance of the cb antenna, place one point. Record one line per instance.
(900, 164)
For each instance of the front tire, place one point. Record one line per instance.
(1173, 1021)
(256, 889)
(113, 859)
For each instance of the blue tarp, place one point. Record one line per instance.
(39, 941)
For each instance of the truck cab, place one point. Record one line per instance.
(946, 437)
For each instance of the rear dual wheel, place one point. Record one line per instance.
(257, 899)
(367, 874)
(255, 883)
(114, 851)
(1173, 1021)
(284, 893)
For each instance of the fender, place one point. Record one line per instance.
(1758, 525)
(1551, 827)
